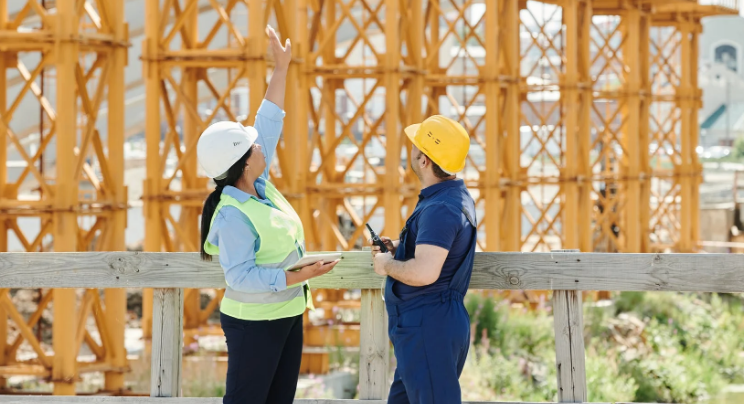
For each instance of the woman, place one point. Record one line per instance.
(257, 235)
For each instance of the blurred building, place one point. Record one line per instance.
(721, 77)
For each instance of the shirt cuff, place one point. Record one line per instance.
(271, 111)
(280, 281)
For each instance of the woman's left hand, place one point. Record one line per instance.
(282, 54)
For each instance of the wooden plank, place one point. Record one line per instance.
(525, 271)
(568, 321)
(374, 353)
(167, 343)
(569, 346)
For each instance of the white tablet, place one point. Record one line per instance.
(313, 258)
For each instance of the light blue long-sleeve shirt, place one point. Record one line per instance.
(233, 232)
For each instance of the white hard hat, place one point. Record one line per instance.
(221, 145)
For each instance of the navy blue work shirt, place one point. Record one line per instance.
(439, 219)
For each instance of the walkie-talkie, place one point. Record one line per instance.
(376, 240)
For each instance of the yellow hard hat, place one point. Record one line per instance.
(443, 140)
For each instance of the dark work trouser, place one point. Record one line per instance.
(431, 338)
(263, 360)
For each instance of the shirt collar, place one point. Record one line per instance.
(430, 191)
(238, 195)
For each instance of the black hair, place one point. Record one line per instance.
(438, 172)
(233, 175)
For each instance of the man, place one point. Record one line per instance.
(429, 270)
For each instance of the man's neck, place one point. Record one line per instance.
(427, 182)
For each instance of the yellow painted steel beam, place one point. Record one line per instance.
(116, 299)
(393, 131)
(65, 193)
(570, 102)
(4, 56)
(494, 98)
(645, 170)
(414, 98)
(152, 206)
(192, 128)
(631, 29)
(696, 167)
(256, 50)
(511, 230)
(296, 143)
(584, 169)
(328, 205)
(686, 103)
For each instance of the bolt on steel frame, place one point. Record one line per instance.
(78, 205)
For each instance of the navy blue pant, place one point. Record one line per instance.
(263, 360)
(431, 343)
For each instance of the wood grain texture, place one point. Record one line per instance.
(569, 346)
(374, 352)
(528, 271)
(187, 400)
(167, 343)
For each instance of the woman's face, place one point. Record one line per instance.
(256, 163)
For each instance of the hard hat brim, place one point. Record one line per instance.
(411, 133)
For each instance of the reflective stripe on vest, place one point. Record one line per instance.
(282, 244)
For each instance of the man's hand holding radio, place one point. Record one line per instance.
(390, 244)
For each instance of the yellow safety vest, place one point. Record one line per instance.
(282, 245)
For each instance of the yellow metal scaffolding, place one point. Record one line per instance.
(79, 204)
(582, 115)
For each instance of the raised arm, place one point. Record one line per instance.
(282, 57)
(270, 116)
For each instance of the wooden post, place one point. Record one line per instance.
(568, 321)
(167, 342)
(375, 347)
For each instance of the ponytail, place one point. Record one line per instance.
(207, 212)
(210, 205)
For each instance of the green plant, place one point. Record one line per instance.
(739, 148)
(647, 347)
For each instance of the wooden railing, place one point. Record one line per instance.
(567, 273)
